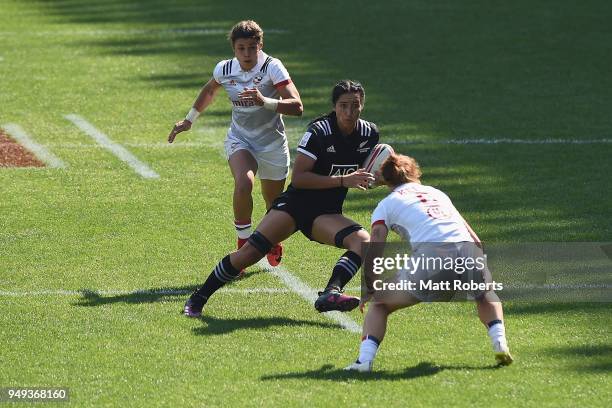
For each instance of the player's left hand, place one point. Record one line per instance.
(253, 95)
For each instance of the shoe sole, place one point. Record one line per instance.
(504, 358)
(192, 315)
(346, 306)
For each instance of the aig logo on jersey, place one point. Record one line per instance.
(342, 169)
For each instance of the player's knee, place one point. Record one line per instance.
(489, 297)
(244, 184)
(260, 243)
(355, 241)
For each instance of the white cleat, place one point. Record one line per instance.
(502, 353)
(364, 367)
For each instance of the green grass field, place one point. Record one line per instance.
(77, 243)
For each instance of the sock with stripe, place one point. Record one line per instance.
(346, 267)
(497, 333)
(368, 348)
(223, 273)
(243, 228)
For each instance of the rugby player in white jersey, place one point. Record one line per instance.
(261, 91)
(426, 218)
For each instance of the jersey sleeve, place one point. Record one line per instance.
(218, 71)
(310, 144)
(380, 216)
(278, 73)
(375, 135)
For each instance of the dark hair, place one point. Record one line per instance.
(399, 169)
(343, 87)
(246, 29)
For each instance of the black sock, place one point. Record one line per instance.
(347, 266)
(223, 273)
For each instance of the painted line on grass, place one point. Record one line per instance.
(295, 286)
(309, 294)
(118, 150)
(40, 151)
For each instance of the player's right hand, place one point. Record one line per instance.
(179, 127)
(358, 179)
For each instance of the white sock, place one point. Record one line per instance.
(497, 333)
(243, 229)
(368, 349)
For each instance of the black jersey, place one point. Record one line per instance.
(335, 155)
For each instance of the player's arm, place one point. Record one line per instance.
(204, 99)
(304, 177)
(475, 237)
(378, 238)
(290, 104)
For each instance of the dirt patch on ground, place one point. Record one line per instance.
(12, 154)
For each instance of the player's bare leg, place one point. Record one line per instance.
(375, 325)
(275, 227)
(337, 230)
(270, 190)
(244, 167)
(491, 314)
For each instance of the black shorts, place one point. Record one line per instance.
(302, 210)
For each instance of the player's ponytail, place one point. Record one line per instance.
(399, 169)
(318, 118)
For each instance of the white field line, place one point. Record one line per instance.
(309, 294)
(304, 290)
(115, 148)
(102, 32)
(40, 151)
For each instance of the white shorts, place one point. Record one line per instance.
(272, 160)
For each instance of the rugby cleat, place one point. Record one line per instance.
(364, 367)
(275, 255)
(333, 299)
(502, 353)
(194, 305)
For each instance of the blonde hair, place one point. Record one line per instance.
(399, 169)
(246, 29)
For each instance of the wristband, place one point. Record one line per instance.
(192, 115)
(270, 104)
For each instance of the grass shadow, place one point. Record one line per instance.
(328, 373)
(91, 298)
(590, 358)
(216, 326)
(555, 308)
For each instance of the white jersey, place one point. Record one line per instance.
(421, 213)
(261, 128)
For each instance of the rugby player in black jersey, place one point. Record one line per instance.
(328, 163)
